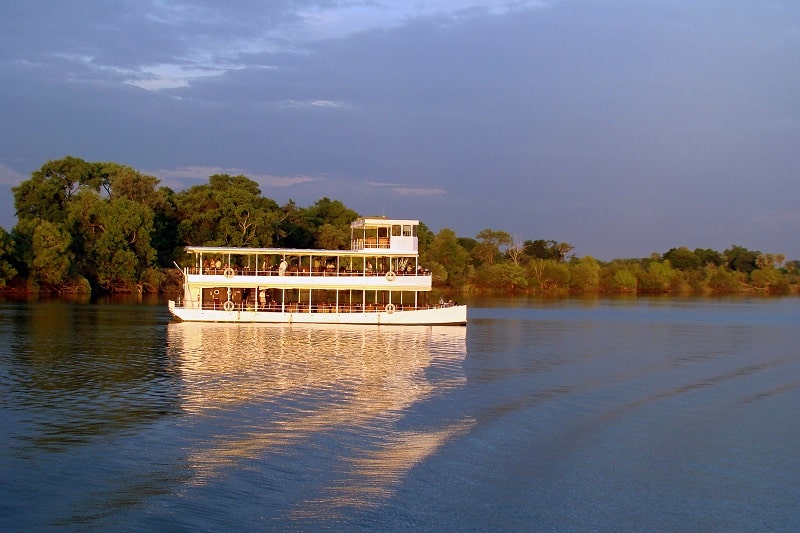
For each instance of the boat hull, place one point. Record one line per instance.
(446, 315)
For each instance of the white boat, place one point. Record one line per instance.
(377, 281)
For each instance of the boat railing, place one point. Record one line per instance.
(297, 271)
(322, 307)
(370, 243)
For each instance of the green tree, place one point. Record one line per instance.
(332, 237)
(425, 238)
(657, 278)
(548, 249)
(683, 259)
(709, 257)
(490, 244)
(542, 249)
(765, 278)
(120, 181)
(112, 241)
(7, 271)
(584, 275)
(329, 222)
(50, 261)
(445, 251)
(48, 192)
(503, 276)
(624, 281)
(556, 277)
(620, 276)
(741, 259)
(548, 275)
(228, 211)
(720, 280)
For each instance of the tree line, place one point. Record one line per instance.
(103, 227)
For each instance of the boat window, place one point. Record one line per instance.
(396, 230)
(406, 231)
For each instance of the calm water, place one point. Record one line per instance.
(572, 415)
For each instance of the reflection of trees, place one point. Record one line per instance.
(75, 372)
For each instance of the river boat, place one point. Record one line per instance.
(378, 280)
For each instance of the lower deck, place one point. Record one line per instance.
(446, 314)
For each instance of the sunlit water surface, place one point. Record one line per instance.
(571, 415)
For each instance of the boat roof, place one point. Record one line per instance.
(381, 221)
(230, 250)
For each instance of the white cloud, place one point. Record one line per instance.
(310, 104)
(177, 178)
(404, 190)
(169, 76)
(9, 176)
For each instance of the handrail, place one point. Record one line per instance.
(212, 271)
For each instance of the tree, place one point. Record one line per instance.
(624, 281)
(332, 237)
(556, 277)
(489, 245)
(228, 211)
(47, 194)
(709, 257)
(543, 249)
(329, 222)
(445, 251)
(515, 250)
(720, 280)
(563, 248)
(683, 259)
(112, 241)
(504, 276)
(7, 271)
(657, 278)
(424, 238)
(620, 276)
(50, 260)
(741, 259)
(585, 275)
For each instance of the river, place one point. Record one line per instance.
(564, 415)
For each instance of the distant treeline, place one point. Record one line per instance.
(106, 228)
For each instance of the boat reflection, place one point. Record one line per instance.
(273, 387)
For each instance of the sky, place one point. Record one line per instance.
(621, 127)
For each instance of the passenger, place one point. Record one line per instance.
(283, 266)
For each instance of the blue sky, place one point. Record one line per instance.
(622, 127)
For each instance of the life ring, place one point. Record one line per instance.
(228, 272)
(228, 306)
(390, 308)
(390, 276)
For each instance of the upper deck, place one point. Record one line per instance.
(383, 234)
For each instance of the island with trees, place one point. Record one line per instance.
(105, 228)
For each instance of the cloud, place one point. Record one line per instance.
(9, 176)
(179, 178)
(312, 104)
(160, 77)
(405, 190)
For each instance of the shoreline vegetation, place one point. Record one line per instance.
(105, 228)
